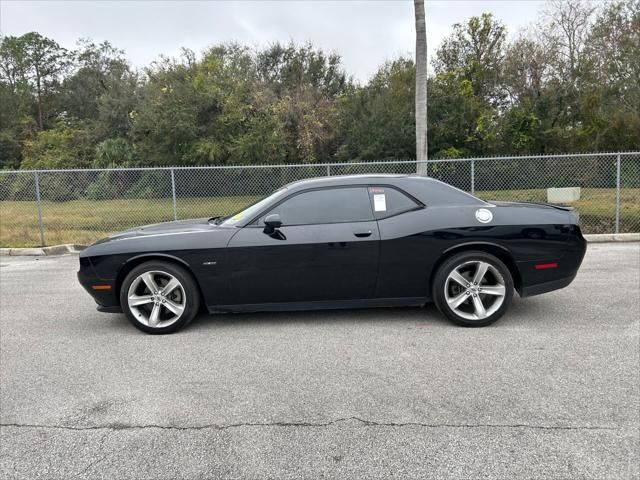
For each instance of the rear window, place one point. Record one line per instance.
(387, 201)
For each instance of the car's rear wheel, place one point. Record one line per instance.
(159, 297)
(473, 288)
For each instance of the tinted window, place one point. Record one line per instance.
(388, 201)
(333, 205)
(253, 209)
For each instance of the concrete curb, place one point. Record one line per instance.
(76, 248)
(613, 237)
(43, 251)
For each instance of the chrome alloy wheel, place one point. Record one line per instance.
(156, 299)
(474, 290)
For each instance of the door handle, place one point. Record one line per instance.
(362, 234)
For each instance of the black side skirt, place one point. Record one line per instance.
(321, 305)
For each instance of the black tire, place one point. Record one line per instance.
(190, 301)
(460, 260)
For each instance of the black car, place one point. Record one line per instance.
(339, 242)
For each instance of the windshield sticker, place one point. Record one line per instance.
(380, 202)
(376, 190)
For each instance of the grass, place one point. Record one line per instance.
(596, 206)
(84, 221)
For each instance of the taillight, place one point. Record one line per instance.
(543, 266)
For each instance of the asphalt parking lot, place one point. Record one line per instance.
(551, 390)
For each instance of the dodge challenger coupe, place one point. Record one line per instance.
(339, 242)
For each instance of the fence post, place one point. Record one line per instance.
(473, 177)
(39, 204)
(618, 194)
(328, 170)
(173, 194)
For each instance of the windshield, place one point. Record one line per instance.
(251, 210)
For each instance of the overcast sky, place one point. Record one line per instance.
(364, 33)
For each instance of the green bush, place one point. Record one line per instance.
(152, 184)
(115, 152)
(18, 186)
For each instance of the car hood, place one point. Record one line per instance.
(180, 226)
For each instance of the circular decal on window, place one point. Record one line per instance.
(483, 215)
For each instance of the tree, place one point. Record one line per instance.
(305, 83)
(565, 30)
(15, 101)
(165, 122)
(421, 85)
(470, 95)
(64, 146)
(570, 83)
(115, 152)
(286, 68)
(610, 101)
(525, 78)
(45, 61)
(13, 64)
(475, 52)
(376, 121)
(98, 70)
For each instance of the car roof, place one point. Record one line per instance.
(426, 189)
(343, 180)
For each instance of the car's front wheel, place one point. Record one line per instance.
(473, 288)
(159, 297)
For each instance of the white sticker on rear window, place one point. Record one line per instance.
(380, 202)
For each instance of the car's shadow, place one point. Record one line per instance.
(427, 316)
(339, 316)
(204, 321)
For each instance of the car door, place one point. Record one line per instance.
(404, 253)
(326, 250)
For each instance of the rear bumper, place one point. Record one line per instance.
(545, 287)
(554, 268)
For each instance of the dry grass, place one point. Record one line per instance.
(84, 221)
(596, 206)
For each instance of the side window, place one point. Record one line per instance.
(388, 201)
(334, 205)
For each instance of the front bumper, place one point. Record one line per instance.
(103, 309)
(106, 298)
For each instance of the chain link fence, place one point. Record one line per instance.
(49, 207)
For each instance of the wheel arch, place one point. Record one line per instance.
(494, 249)
(133, 262)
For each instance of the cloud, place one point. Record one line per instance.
(364, 33)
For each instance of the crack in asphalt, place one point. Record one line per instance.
(363, 422)
(100, 459)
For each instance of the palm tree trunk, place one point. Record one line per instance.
(421, 87)
(39, 94)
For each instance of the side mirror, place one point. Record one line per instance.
(272, 223)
